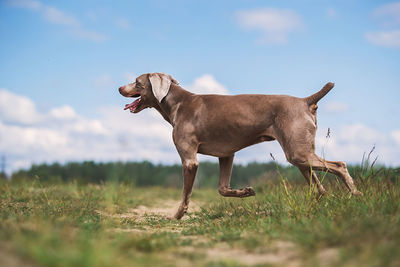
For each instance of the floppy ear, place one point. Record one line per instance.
(173, 80)
(160, 84)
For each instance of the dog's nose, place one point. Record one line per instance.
(122, 90)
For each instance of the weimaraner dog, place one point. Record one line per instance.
(220, 125)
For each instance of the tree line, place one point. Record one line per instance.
(145, 173)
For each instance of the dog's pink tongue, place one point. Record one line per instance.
(132, 105)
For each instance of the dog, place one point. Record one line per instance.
(220, 125)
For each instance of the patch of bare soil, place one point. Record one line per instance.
(9, 258)
(164, 209)
(161, 210)
(280, 253)
(328, 256)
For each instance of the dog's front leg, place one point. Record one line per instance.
(225, 170)
(189, 173)
(312, 178)
(187, 150)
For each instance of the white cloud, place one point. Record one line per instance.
(359, 133)
(274, 24)
(207, 84)
(27, 140)
(57, 16)
(84, 126)
(63, 113)
(389, 14)
(396, 136)
(349, 142)
(335, 107)
(123, 24)
(17, 109)
(384, 38)
(61, 134)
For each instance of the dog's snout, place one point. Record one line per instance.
(122, 90)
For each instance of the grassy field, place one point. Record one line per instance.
(119, 225)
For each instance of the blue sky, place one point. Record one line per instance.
(62, 61)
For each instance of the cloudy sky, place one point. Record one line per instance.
(61, 63)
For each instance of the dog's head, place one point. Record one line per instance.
(149, 89)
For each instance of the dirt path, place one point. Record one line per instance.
(164, 209)
(9, 258)
(161, 210)
(278, 252)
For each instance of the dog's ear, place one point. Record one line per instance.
(173, 80)
(160, 84)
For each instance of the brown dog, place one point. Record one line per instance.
(219, 125)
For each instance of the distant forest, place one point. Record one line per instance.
(146, 173)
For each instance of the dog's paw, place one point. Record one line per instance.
(248, 192)
(181, 211)
(178, 216)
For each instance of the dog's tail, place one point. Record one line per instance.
(313, 99)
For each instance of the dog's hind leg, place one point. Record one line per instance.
(299, 148)
(225, 170)
(337, 168)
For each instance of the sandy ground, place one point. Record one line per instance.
(166, 209)
(278, 253)
(8, 258)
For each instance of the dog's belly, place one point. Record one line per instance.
(224, 148)
(226, 137)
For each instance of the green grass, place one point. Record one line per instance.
(86, 225)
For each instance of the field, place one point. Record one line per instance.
(68, 224)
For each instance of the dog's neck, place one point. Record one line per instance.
(170, 104)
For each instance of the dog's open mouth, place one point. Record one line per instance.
(132, 106)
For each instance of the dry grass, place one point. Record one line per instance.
(118, 225)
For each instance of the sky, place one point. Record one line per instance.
(61, 63)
